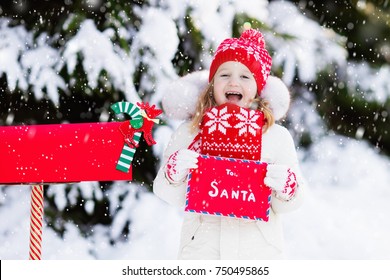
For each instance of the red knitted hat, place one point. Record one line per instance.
(249, 50)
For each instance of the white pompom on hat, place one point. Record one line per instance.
(180, 97)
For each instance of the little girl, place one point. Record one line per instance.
(239, 74)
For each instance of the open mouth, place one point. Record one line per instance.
(233, 96)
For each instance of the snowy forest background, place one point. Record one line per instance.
(68, 61)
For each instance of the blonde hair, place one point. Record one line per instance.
(206, 101)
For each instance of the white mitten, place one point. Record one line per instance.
(282, 180)
(179, 165)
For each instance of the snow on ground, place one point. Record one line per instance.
(346, 207)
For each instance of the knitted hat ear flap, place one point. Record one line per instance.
(276, 93)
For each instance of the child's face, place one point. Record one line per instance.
(234, 83)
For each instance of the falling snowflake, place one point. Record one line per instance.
(218, 120)
(247, 124)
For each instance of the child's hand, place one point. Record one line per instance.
(281, 179)
(179, 164)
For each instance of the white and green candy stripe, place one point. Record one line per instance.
(127, 154)
(128, 108)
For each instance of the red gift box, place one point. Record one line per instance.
(231, 131)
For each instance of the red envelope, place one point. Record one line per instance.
(229, 187)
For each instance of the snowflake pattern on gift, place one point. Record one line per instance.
(247, 124)
(218, 120)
